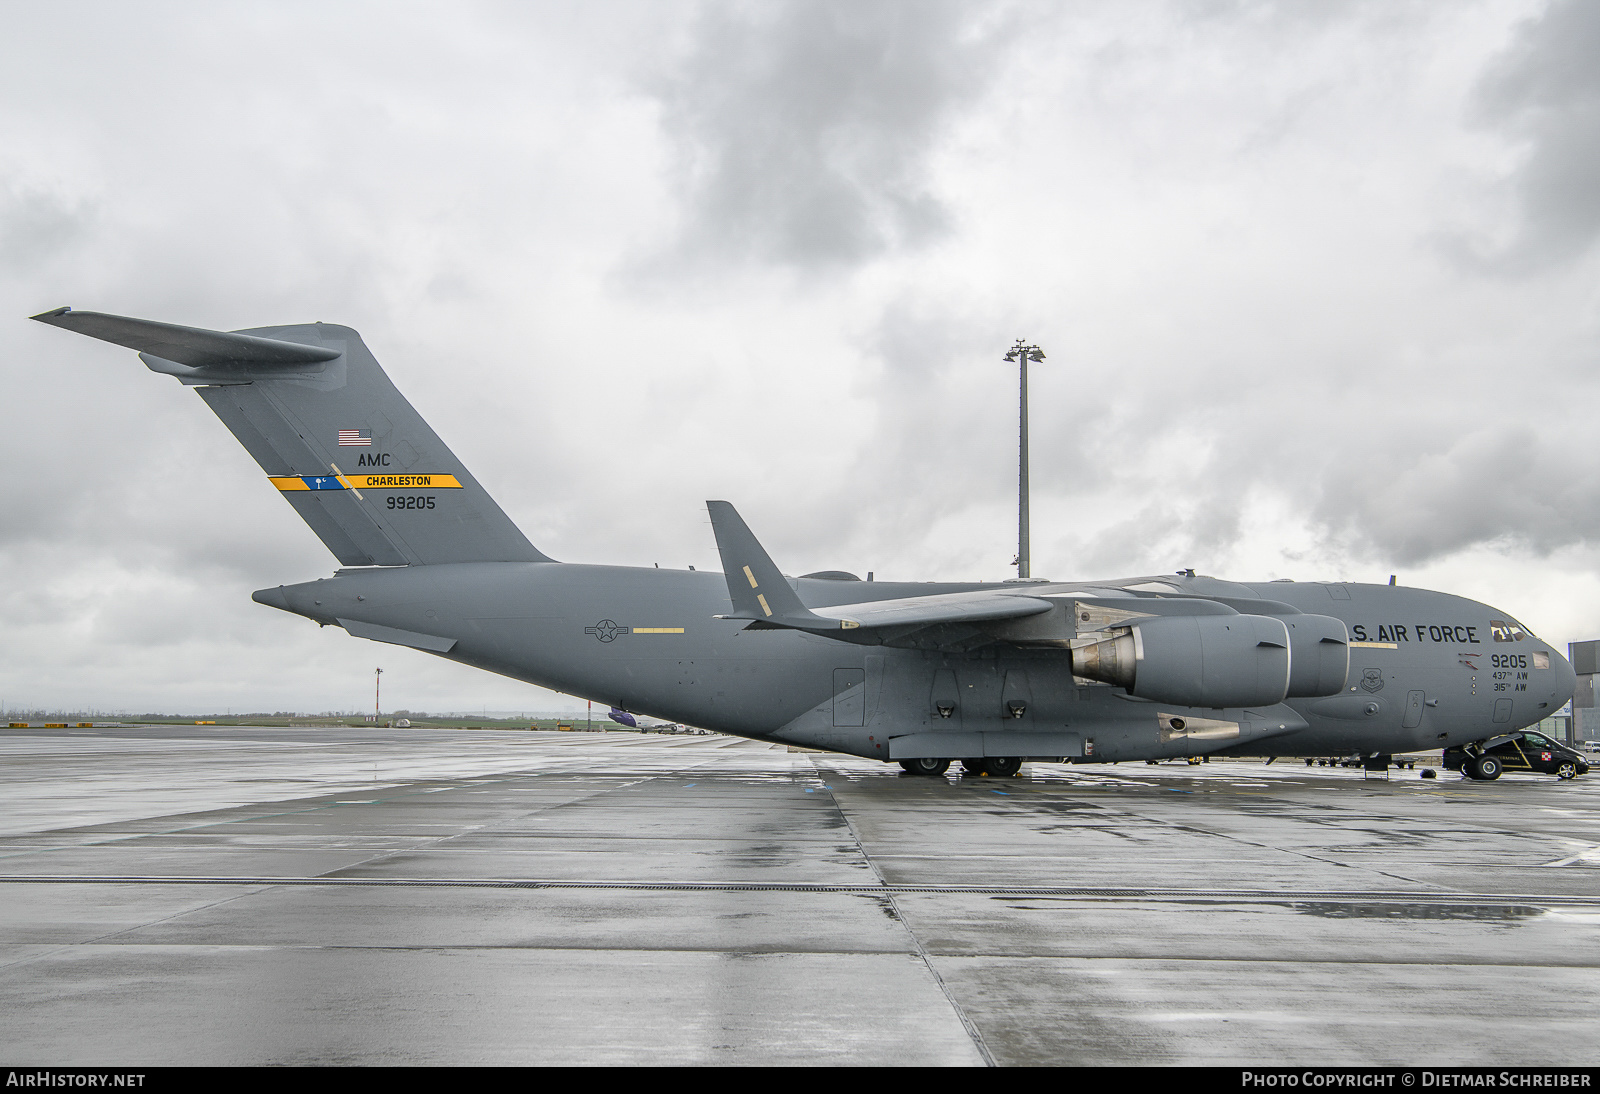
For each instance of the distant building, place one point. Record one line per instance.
(1585, 716)
(1560, 727)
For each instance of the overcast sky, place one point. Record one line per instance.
(1317, 284)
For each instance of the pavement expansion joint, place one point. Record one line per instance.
(1079, 892)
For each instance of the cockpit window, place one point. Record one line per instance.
(1507, 632)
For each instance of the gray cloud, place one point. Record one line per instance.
(1545, 90)
(1509, 487)
(38, 226)
(802, 129)
(1252, 367)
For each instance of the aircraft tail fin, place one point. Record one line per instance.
(315, 409)
(757, 588)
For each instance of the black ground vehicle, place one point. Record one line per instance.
(1526, 751)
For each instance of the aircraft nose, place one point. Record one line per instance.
(1565, 682)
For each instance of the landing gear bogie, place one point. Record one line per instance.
(927, 766)
(999, 767)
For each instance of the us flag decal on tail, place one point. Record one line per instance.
(355, 438)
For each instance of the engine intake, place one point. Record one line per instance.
(1202, 661)
(1319, 648)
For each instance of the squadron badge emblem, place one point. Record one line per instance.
(1372, 680)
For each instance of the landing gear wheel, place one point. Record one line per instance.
(1567, 771)
(973, 766)
(1003, 767)
(1488, 768)
(927, 766)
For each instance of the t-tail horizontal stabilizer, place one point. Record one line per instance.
(341, 444)
(204, 356)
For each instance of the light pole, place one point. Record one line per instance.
(377, 695)
(1022, 353)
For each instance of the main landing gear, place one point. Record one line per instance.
(999, 767)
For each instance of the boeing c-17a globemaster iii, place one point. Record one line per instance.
(920, 674)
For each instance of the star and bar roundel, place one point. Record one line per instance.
(609, 630)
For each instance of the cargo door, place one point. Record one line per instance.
(850, 697)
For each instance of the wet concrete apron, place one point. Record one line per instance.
(200, 895)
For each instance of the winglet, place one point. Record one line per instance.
(756, 587)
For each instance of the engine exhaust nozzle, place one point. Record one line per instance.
(1111, 661)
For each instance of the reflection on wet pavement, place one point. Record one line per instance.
(220, 895)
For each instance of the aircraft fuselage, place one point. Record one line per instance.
(1140, 668)
(1427, 669)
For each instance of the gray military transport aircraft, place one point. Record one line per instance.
(1143, 668)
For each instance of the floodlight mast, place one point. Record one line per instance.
(1022, 353)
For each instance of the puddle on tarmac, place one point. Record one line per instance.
(1493, 913)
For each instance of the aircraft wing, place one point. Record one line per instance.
(980, 605)
(1029, 615)
(759, 592)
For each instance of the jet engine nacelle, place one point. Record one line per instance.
(1319, 655)
(1223, 660)
(1196, 661)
